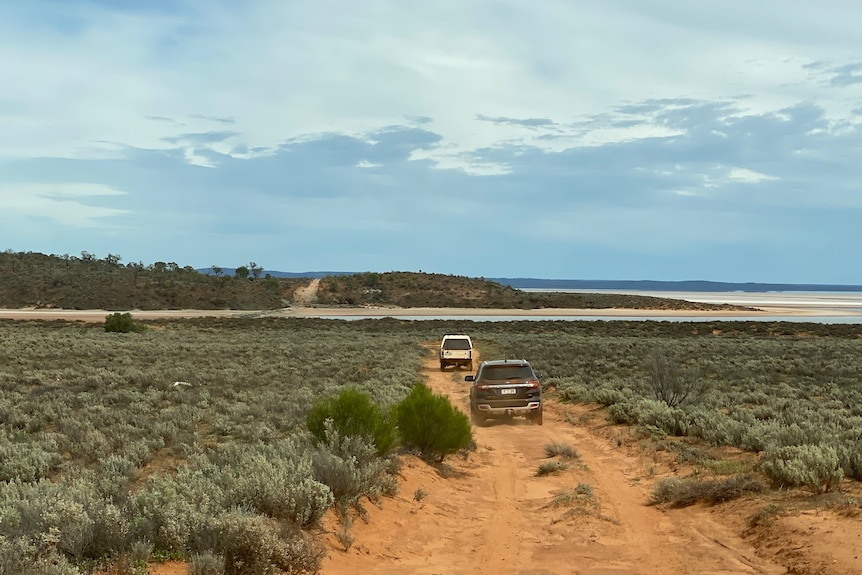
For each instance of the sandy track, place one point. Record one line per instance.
(307, 295)
(495, 515)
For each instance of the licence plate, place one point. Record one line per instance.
(509, 391)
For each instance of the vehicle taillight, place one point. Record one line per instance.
(534, 384)
(483, 386)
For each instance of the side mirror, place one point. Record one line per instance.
(538, 375)
(469, 378)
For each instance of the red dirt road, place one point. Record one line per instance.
(496, 516)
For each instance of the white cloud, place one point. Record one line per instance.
(287, 69)
(60, 203)
(746, 176)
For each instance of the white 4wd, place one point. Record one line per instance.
(456, 350)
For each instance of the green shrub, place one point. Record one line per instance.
(815, 467)
(431, 424)
(354, 414)
(122, 323)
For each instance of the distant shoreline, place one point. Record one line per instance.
(757, 307)
(95, 315)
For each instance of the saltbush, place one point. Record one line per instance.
(87, 525)
(815, 467)
(850, 454)
(682, 492)
(206, 563)
(23, 556)
(651, 413)
(29, 460)
(258, 545)
(353, 414)
(566, 450)
(350, 467)
(549, 467)
(431, 424)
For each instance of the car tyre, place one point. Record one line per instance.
(478, 418)
(537, 417)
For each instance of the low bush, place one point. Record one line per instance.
(22, 556)
(679, 492)
(350, 467)
(27, 461)
(253, 544)
(850, 454)
(554, 449)
(431, 424)
(815, 467)
(549, 467)
(580, 495)
(651, 413)
(87, 525)
(206, 563)
(353, 414)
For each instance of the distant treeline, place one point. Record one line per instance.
(29, 279)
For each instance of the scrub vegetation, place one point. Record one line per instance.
(224, 441)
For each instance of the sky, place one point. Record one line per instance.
(575, 139)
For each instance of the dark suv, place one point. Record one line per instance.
(505, 388)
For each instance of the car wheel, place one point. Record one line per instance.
(442, 366)
(536, 418)
(478, 418)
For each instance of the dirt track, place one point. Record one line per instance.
(494, 516)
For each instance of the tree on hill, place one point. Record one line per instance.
(255, 269)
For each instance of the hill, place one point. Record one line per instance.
(408, 289)
(605, 285)
(29, 279)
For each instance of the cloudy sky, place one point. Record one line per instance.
(586, 139)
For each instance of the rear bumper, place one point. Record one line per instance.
(524, 410)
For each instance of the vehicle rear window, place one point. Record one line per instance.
(504, 372)
(459, 343)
